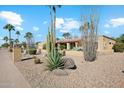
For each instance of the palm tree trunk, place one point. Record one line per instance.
(10, 38)
(6, 41)
(18, 39)
(27, 46)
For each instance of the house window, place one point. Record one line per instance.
(110, 42)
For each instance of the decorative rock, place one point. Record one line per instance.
(68, 63)
(60, 72)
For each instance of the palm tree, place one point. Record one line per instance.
(28, 37)
(17, 33)
(6, 39)
(23, 44)
(67, 35)
(10, 28)
(16, 41)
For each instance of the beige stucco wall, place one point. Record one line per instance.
(105, 45)
(100, 43)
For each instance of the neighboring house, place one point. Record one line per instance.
(104, 43)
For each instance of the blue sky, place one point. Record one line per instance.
(35, 19)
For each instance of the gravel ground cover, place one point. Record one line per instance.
(105, 72)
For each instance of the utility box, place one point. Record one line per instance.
(17, 54)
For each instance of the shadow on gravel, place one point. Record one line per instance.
(26, 58)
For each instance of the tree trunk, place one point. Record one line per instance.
(18, 39)
(10, 38)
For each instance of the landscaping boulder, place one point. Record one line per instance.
(68, 63)
(60, 72)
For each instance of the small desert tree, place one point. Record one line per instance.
(89, 29)
(18, 34)
(28, 36)
(66, 35)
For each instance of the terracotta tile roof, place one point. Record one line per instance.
(68, 40)
(77, 40)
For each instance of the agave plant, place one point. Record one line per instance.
(53, 56)
(54, 60)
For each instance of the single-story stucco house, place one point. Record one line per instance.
(105, 43)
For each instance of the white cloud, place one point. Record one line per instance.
(66, 24)
(35, 28)
(106, 32)
(11, 17)
(19, 28)
(59, 22)
(45, 22)
(117, 22)
(1, 38)
(107, 25)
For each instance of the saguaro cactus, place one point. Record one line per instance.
(50, 39)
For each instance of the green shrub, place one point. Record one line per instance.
(54, 60)
(5, 45)
(32, 51)
(44, 46)
(62, 47)
(118, 47)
